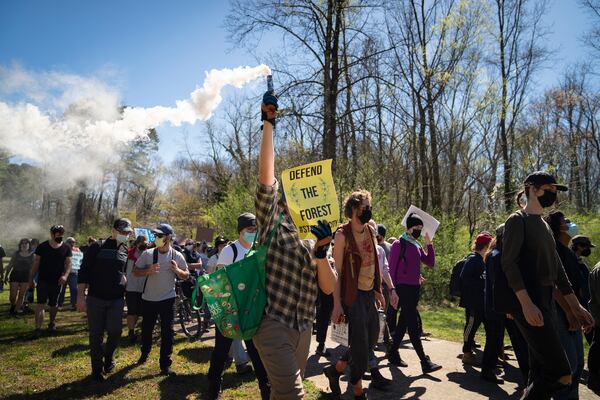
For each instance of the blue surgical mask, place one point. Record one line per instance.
(572, 230)
(249, 237)
(122, 239)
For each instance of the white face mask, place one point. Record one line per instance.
(189, 247)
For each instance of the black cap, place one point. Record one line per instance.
(245, 220)
(381, 230)
(413, 220)
(163, 229)
(582, 240)
(219, 240)
(123, 225)
(540, 178)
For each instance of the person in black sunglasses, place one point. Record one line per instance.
(52, 264)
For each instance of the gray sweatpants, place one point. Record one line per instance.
(103, 315)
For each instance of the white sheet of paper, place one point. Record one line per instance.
(430, 224)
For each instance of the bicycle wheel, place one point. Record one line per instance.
(189, 319)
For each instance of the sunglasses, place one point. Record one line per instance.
(159, 235)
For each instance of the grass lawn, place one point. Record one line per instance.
(57, 366)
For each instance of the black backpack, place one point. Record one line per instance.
(455, 281)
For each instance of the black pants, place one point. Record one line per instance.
(494, 343)
(391, 314)
(150, 311)
(594, 356)
(103, 315)
(324, 309)
(408, 300)
(473, 320)
(547, 359)
(363, 330)
(220, 354)
(519, 346)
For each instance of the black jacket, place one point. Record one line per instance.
(104, 270)
(473, 283)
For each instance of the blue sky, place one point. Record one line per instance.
(157, 51)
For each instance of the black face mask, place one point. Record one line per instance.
(547, 199)
(58, 239)
(366, 215)
(586, 252)
(416, 233)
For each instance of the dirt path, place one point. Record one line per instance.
(453, 381)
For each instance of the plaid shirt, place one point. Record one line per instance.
(291, 282)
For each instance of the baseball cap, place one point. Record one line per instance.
(483, 238)
(582, 240)
(245, 220)
(123, 225)
(540, 178)
(163, 229)
(219, 240)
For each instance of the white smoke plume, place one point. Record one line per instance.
(72, 125)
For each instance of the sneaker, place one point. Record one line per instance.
(143, 358)
(333, 376)
(51, 327)
(242, 369)
(490, 376)
(395, 359)
(109, 366)
(37, 333)
(168, 372)
(378, 381)
(427, 366)
(426, 334)
(470, 359)
(322, 351)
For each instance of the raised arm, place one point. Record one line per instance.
(266, 158)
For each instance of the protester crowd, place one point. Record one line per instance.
(528, 278)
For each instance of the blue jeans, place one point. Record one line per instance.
(72, 284)
(572, 343)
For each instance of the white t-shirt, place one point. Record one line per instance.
(226, 256)
(160, 286)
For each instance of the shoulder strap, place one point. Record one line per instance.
(155, 255)
(154, 261)
(274, 229)
(235, 252)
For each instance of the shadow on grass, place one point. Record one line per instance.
(181, 386)
(68, 350)
(83, 388)
(199, 355)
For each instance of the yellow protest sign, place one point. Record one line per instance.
(310, 195)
